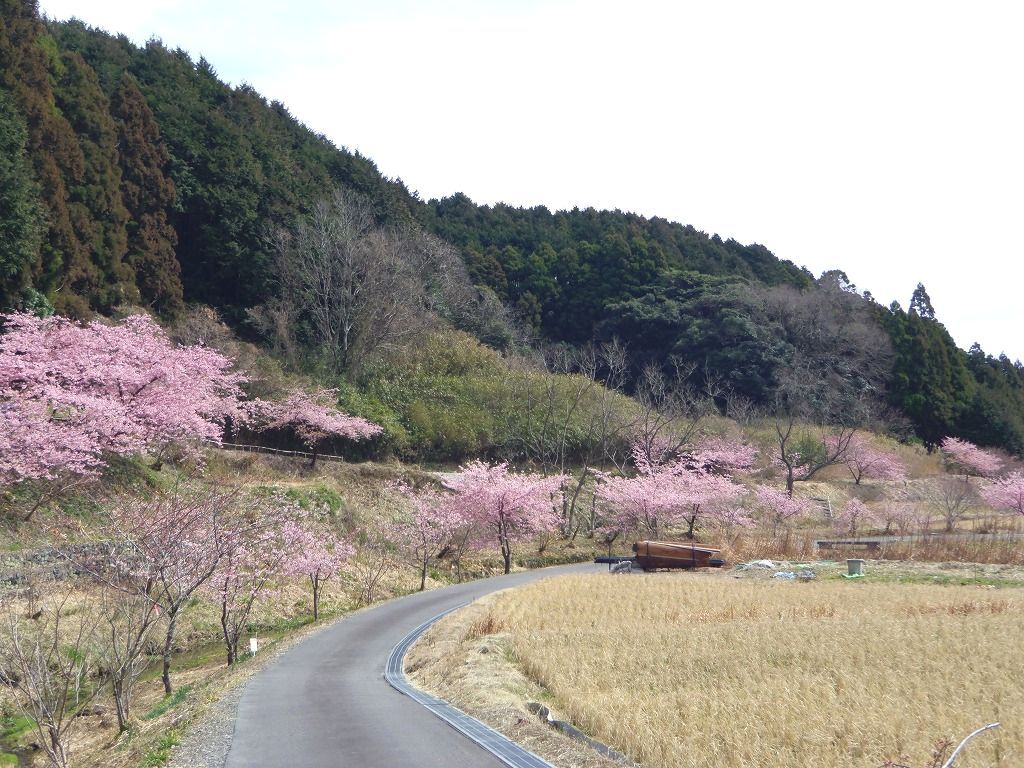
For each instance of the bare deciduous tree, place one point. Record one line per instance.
(361, 288)
(672, 409)
(51, 659)
(819, 405)
(130, 620)
(375, 559)
(952, 497)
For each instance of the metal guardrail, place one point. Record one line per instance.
(276, 451)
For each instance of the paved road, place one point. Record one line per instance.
(325, 702)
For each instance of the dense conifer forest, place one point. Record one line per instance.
(133, 176)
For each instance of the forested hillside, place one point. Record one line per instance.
(134, 176)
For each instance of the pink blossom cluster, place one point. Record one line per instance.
(865, 461)
(779, 507)
(902, 516)
(970, 458)
(853, 516)
(495, 496)
(432, 518)
(71, 392)
(1006, 493)
(508, 505)
(430, 526)
(313, 417)
(721, 454)
(313, 551)
(37, 442)
(170, 542)
(665, 495)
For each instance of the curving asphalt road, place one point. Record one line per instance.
(325, 703)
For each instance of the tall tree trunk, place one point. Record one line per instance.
(57, 752)
(506, 544)
(165, 675)
(572, 503)
(229, 646)
(316, 597)
(120, 705)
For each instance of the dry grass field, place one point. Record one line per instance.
(695, 670)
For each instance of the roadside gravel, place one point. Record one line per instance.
(209, 739)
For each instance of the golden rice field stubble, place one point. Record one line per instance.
(678, 670)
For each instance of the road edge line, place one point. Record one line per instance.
(497, 744)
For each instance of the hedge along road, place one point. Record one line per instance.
(325, 702)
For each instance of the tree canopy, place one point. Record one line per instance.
(134, 176)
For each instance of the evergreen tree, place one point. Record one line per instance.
(148, 194)
(921, 303)
(930, 382)
(97, 209)
(27, 55)
(20, 227)
(996, 413)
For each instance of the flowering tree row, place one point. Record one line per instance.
(1004, 492)
(71, 394)
(229, 544)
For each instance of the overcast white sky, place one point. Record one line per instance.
(882, 138)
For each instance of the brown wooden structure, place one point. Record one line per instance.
(650, 555)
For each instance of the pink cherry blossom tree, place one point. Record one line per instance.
(704, 498)
(167, 548)
(313, 417)
(730, 518)
(779, 508)
(901, 516)
(70, 393)
(242, 578)
(853, 516)
(509, 505)
(971, 459)
(430, 527)
(665, 494)
(1006, 493)
(642, 503)
(864, 460)
(723, 455)
(315, 552)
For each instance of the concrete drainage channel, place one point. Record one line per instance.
(572, 731)
(498, 745)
